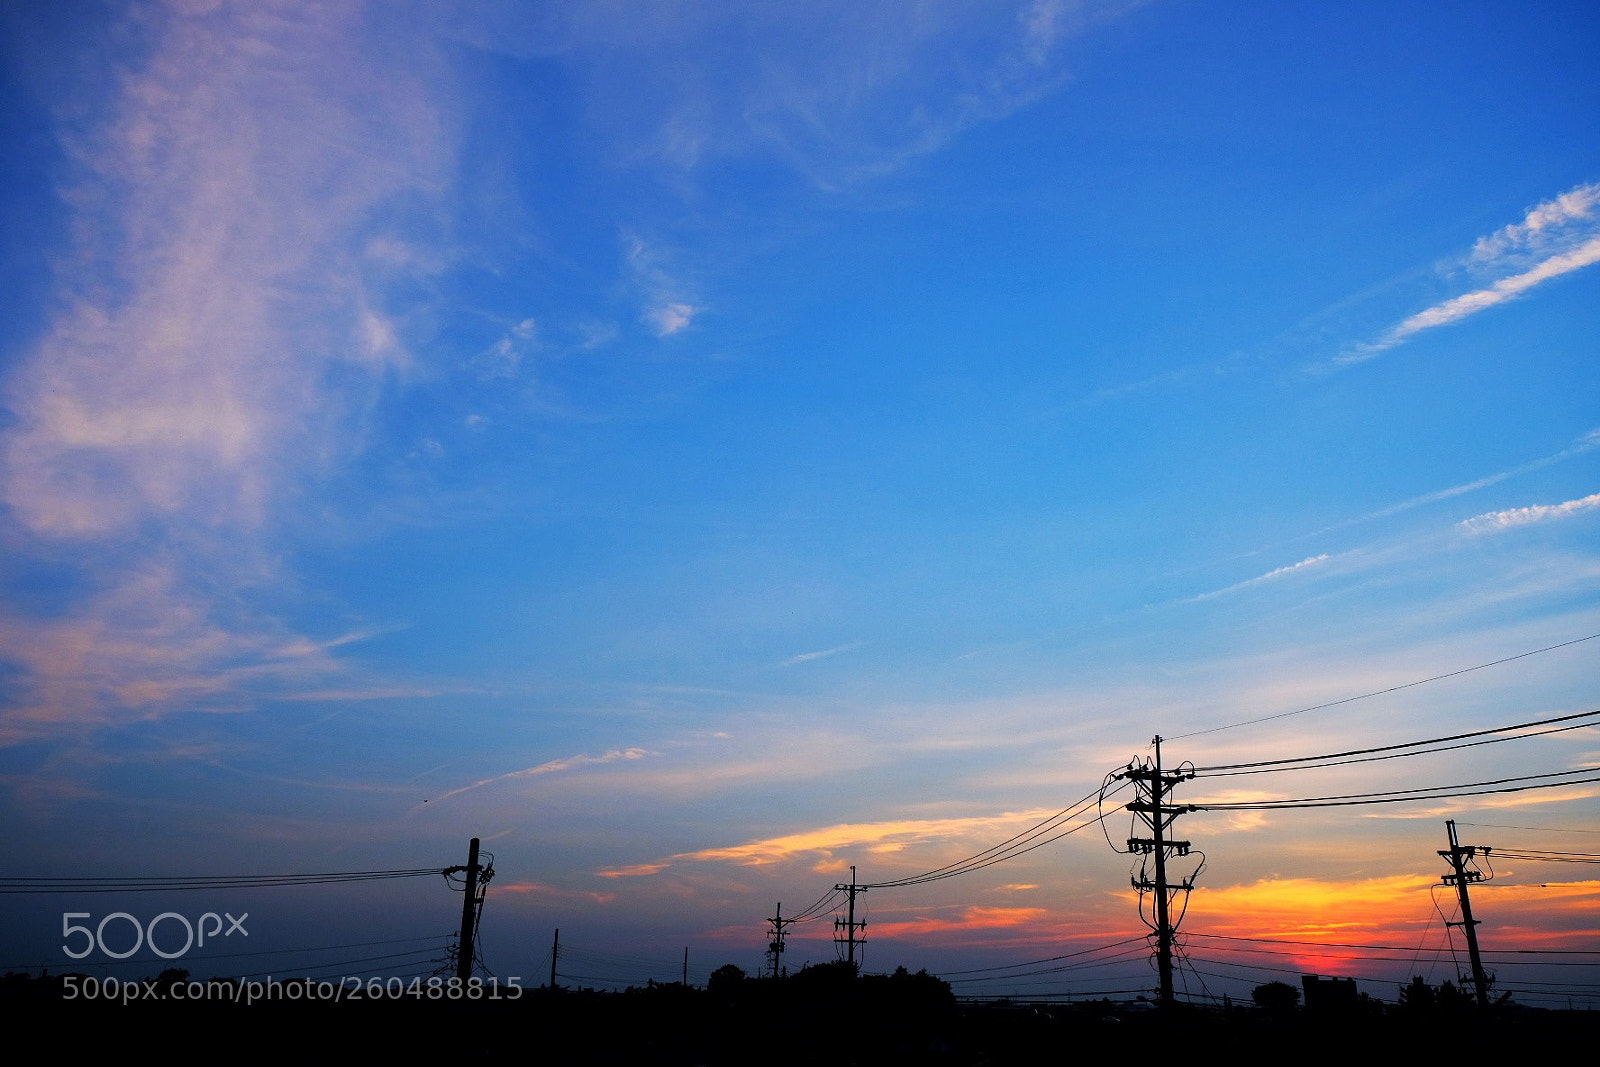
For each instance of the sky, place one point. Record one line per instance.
(698, 448)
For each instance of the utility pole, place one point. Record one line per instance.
(477, 884)
(775, 946)
(1460, 877)
(686, 966)
(555, 950)
(1154, 809)
(850, 926)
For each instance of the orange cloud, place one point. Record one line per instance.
(1395, 910)
(1310, 909)
(1542, 915)
(879, 837)
(970, 919)
(638, 870)
(536, 889)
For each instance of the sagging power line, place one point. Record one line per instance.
(1576, 721)
(1385, 692)
(1036, 836)
(1405, 796)
(188, 882)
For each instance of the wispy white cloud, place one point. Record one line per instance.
(881, 85)
(1548, 222)
(592, 334)
(1588, 442)
(820, 843)
(1554, 238)
(667, 307)
(555, 766)
(669, 318)
(807, 657)
(546, 894)
(1267, 577)
(190, 363)
(222, 334)
(1531, 799)
(1506, 288)
(504, 358)
(838, 91)
(143, 646)
(1494, 521)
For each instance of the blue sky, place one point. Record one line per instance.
(623, 432)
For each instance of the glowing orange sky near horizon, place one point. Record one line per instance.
(1395, 910)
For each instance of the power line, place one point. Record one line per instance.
(1392, 948)
(188, 882)
(1402, 796)
(816, 910)
(1408, 957)
(1261, 766)
(1383, 692)
(1274, 970)
(1036, 836)
(1048, 959)
(1014, 846)
(1124, 955)
(1312, 766)
(1052, 997)
(139, 960)
(1535, 856)
(1540, 829)
(1547, 989)
(337, 965)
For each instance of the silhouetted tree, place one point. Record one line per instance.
(1451, 997)
(1418, 996)
(725, 979)
(1276, 997)
(836, 974)
(166, 978)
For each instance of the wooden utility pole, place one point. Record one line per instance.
(469, 915)
(555, 950)
(850, 926)
(775, 946)
(1460, 877)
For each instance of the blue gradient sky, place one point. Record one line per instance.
(625, 431)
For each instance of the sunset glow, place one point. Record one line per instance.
(711, 454)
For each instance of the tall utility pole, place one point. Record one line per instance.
(555, 950)
(1152, 808)
(477, 883)
(850, 926)
(1460, 877)
(775, 946)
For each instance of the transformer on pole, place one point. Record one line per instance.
(849, 925)
(775, 946)
(1154, 809)
(1460, 877)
